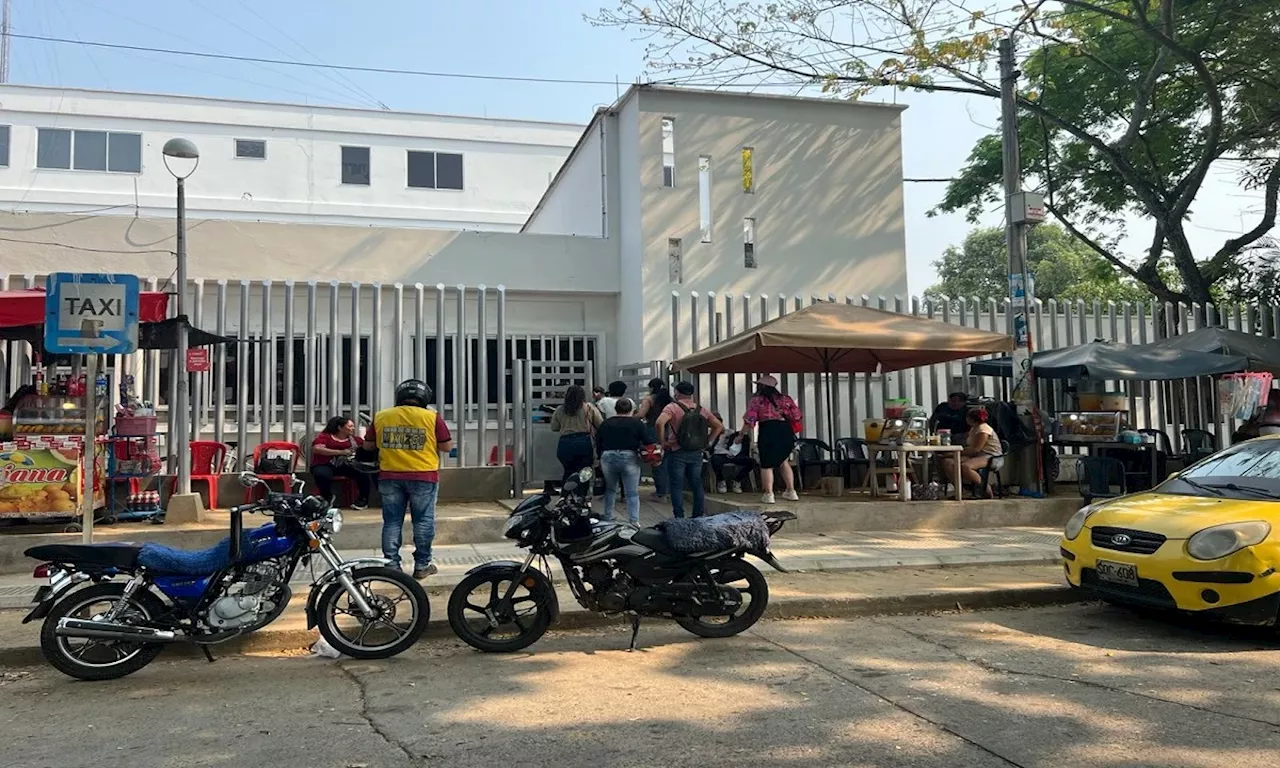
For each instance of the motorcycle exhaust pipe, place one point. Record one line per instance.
(103, 630)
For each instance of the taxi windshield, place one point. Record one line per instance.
(1246, 471)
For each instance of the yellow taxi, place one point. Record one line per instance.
(1207, 540)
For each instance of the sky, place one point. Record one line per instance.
(496, 38)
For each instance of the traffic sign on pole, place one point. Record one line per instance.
(91, 314)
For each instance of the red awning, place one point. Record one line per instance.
(19, 308)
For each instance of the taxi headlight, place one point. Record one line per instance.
(1077, 521)
(1222, 540)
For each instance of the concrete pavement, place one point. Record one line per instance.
(868, 550)
(1078, 685)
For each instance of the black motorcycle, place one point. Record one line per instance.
(692, 571)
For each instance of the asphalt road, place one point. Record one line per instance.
(1080, 685)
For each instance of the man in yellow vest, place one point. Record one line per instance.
(410, 439)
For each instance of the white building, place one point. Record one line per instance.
(70, 150)
(667, 190)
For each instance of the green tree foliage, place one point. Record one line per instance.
(1063, 268)
(1125, 105)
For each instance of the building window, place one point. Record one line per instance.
(434, 170)
(749, 243)
(355, 165)
(748, 170)
(53, 148)
(704, 197)
(675, 261)
(252, 149)
(668, 152)
(89, 150)
(4, 146)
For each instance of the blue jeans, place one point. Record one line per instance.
(686, 467)
(662, 477)
(624, 467)
(418, 497)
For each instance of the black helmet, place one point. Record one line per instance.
(413, 392)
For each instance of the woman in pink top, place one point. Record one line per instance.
(778, 417)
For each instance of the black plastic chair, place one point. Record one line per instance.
(812, 452)
(851, 455)
(994, 465)
(1199, 445)
(1099, 477)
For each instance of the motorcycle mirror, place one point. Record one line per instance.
(248, 479)
(585, 475)
(569, 486)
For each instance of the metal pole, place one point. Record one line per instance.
(519, 467)
(482, 374)
(287, 384)
(179, 368)
(266, 368)
(502, 375)
(333, 401)
(218, 392)
(87, 457)
(243, 348)
(196, 380)
(354, 366)
(440, 357)
(375, 352)
(311, 363)
(461, 395)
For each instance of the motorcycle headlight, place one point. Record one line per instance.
(1222, 540)
(335, 520)
(1076, 524)
(514, 522)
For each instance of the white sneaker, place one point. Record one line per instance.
(790, 495)
(768, 498)
(735, 488)
(722, 488)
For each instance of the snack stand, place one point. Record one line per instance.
(48, 420)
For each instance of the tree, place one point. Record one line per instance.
(1063, 268)
(1125, 105)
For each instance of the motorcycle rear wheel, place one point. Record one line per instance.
(731, 573)
(68, 654)
(335, 601)
(469, 620)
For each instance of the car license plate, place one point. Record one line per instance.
(1117, 573)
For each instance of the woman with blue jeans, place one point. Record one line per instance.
(575, 421)
(619, 439)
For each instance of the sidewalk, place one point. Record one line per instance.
(853, 551)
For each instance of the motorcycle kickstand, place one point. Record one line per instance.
(208, 654)
(635, 631)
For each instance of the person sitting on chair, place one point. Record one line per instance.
(727, 452)
(981, 444)
(331, 455)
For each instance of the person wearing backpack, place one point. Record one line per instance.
(686, 430)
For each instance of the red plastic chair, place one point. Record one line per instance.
(252, 493)
(207, 459)
(493, 456)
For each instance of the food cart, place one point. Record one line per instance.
(44, 422)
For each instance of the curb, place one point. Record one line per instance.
(268, 641)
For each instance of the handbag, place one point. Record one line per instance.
(650, 454)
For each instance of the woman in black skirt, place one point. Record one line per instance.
(779, 420)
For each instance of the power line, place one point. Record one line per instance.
(309, 65)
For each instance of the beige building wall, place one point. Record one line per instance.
(827, 200)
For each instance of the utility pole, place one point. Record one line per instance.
(5, 41)
(1022, 209)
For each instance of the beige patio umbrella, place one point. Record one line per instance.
(843, 338)
(829, 338)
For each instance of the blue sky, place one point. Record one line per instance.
(490, 37)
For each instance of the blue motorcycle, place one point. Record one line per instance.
(142, 598)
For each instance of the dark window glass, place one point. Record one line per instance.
(53, 148)
(90, 151)
(422, 170)
(251, 148)
(124, 152)
(448, 171)
(355, 165)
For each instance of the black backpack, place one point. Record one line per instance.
(694, 431)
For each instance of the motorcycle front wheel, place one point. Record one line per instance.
(749, 582)
(93, 659)
(402, 614)
(483, 617)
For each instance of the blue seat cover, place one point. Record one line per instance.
(183, 562)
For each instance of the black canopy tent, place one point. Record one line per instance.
(161, 335)
(1263, 353)
(1113, 361)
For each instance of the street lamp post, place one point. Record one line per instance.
(184, 156)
